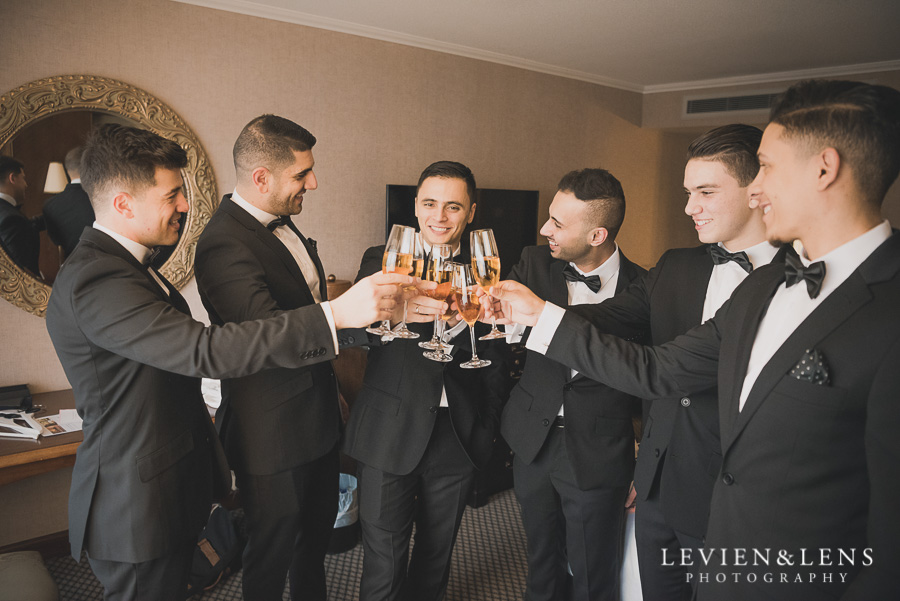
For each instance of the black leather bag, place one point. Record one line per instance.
(218, 552)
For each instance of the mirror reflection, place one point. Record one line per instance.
(44, 209)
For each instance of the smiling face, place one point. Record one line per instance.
(156, 210)
(567, 230)
(719, 206)
(288, 186)
(785, 178)
(444, 209)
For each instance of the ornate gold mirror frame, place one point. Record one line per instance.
(43, 97)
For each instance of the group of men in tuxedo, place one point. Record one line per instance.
(769, 464)
(805, 459)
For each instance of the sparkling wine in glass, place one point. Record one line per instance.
(437, 269)
(486, 269)
(465, 286)
(418, 265)
(398, 258)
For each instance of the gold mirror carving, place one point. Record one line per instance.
(37, 99)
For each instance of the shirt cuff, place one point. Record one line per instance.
(452, 332)
(514, 332)
(542, 333)
(329, 317)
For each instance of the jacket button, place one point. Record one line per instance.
(351, 339)
(433, 409)
(656, 453)
(727, 479)
(567, 387)
(685, 402)
(546, 422)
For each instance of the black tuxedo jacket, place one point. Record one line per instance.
(804, 466)
(393, 416)
(669, 301)
(143, 477)
(280, 418)
(19, 237)
(66, 216)
(599, 434)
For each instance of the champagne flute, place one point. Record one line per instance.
(464, 293)
(486, 269)
(398, 258)
(401, 331)
(437, 270)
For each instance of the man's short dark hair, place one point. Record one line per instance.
(115, 155)
(450, 170)
(9, 166)
(604, 195)
(861, 121)
(735, 146)
(73, 161)
(269, 141)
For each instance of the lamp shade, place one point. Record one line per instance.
(56, 179)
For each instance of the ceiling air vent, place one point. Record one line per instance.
(728, 104)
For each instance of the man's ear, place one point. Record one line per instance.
(598, 236)
(828, 162)
(122, 204)
(471, 213)
(262, 179)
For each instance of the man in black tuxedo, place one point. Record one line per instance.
(280, 427)
(70, 211)
(572, 436)
(143, 478)
(806, 356)
(18, 234)
(420, 428)
(680, 451)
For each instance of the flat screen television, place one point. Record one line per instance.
(512, 214)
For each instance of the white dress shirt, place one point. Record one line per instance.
(9, 199)
(295, 246)
(726, 277)
(791, 306)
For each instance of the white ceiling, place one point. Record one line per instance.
(639, 45)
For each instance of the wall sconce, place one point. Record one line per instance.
(56, 179)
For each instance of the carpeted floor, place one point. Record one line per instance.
(488, 563)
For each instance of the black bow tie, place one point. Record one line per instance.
(280, 221)
(152, 257)
(795, 272)
(591, 281)
(720, 256)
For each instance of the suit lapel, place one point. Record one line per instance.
(271, 241)
(558, 290)
(693, 296)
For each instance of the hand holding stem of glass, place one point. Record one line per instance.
(486, 269)
(437, 269)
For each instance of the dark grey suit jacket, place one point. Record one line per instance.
(20, 238)
(599, 433)
(393, 416)
(280, 418)
(66, 216)
(142, 481)
(804, 466)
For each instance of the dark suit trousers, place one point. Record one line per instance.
(162, 579)
(433, 496)
(653, 534)
(567, 525)
(290, 517)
